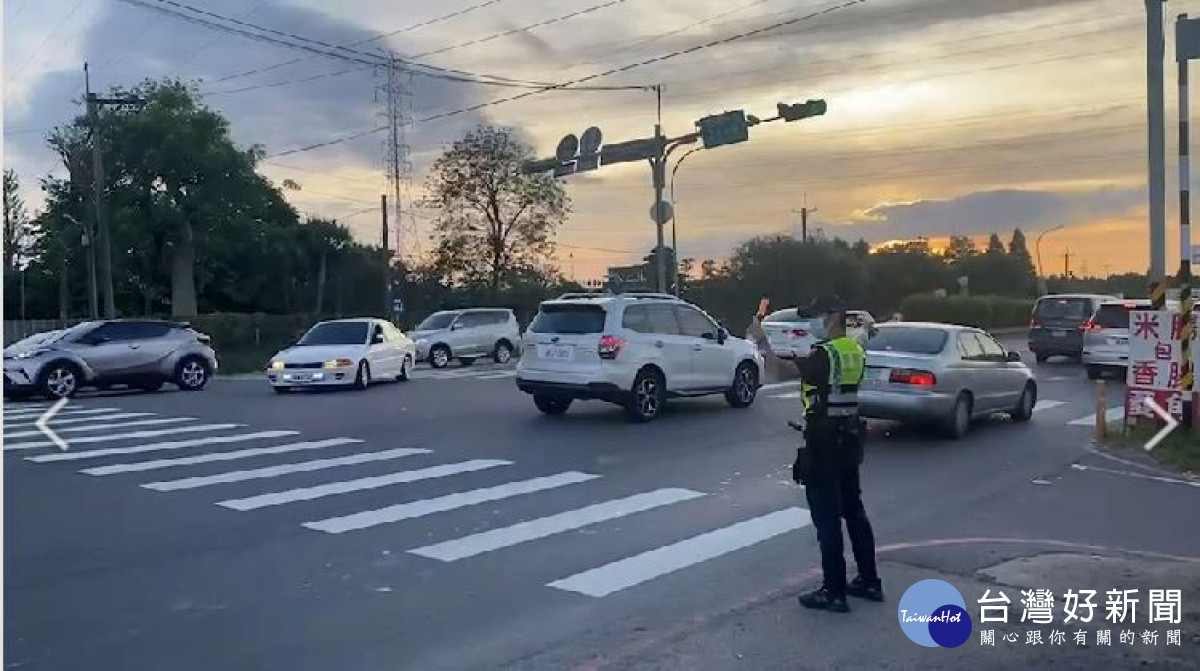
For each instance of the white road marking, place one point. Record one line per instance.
(127, 436)
(282, 469)
(497, 376)
(404, 511)
(153, 447)
(217, 456)
(34, 414)
(100, 427)
(79, 420)
(1114, 414)
(1047, 405)
(1140, 476)
(487, 541)
(790, 394)
(373, 482)
(779, 385)
(618, 575)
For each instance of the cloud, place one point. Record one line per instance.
(994, 211)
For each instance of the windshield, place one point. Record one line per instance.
(788, 315)
(336, 333)
(569, 319)
(1064, 309)
(1114, 316)
(437, 320)
(908, 340)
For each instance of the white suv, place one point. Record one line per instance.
(635, 350)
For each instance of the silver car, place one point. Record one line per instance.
(139, 353)
(1106, 337)
(939, 373)
(791, 336)
(467, 335)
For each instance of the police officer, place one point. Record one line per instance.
(828, 463)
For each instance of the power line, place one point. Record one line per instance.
(522, 29)
(414, 26)
(612, 71)
(16, 72)
(208, 44)
(323, 48)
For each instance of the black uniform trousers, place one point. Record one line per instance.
(834, 494)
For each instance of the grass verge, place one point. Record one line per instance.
(1180, 449)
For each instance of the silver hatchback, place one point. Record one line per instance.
(139, 353)
(943, 374)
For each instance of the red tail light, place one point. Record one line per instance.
(610, 347)
(1090, 325)
(920, 378)
(799, 333)
(1033, 322)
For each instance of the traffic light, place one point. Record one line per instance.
(724, 128)
(804, 110)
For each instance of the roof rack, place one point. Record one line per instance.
(647, 294)
(582, 294)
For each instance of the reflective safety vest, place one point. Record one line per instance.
(847, 361)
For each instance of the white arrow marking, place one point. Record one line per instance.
(43, 424)
(1164, 416)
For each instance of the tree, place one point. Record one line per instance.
(19, 230)
(708, 269)
(494, 220)
(960, 248)
(994, 245)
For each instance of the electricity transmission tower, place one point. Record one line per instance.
(396, 98)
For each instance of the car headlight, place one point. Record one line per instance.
(276, 365)
(29, 354)
(338, 363)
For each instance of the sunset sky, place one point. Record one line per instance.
(945, 116)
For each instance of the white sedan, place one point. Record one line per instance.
(346, 353)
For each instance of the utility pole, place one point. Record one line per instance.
(102, 242)
(1156, 135)
(88, 238)
(658, 165)
(1067, 263)
(804, 212)
(387, 253)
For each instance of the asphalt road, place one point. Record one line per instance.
(444, 523)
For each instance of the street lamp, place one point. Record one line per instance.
(675, 213)
(1038, 246)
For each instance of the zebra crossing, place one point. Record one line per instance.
(258, 466)
(464, 373)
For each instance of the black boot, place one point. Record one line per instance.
(823, 599)
(865, 589)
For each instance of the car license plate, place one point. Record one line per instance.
(1121, 342)
(556, 352)
(1058, 333)
(875, 375)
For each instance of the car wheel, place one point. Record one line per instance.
(466, 360)
(503, 352)
(191, 374)
(959, 421)
(648, 396)
(439, 356)
(551, 405)
(1024, 410)
(151, 386)
(1094, 372)
(745, 386)
(60, 380)
(405, 369)
(1040, 357)
(362, 379)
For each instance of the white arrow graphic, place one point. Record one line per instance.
(43, 424)
(1164, 416)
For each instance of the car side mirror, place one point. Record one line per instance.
(722, 335)
(454, 326)
(377, 339)
(1013, 357)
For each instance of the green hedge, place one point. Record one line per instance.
(244, 341)
(978, 311)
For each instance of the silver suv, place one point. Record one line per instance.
(467, 335)
(140, 353)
